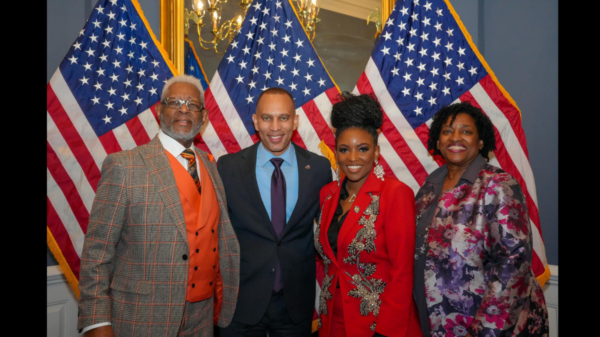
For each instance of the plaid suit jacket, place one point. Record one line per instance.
(132, 271)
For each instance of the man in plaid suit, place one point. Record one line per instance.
(160, 256)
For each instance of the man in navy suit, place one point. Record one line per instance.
(272, 191)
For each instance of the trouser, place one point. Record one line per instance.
(276, 322)
(197, 319)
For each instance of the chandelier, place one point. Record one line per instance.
(307, 11)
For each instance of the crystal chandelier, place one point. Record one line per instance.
(307, 11)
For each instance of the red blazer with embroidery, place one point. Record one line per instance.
(375, 260)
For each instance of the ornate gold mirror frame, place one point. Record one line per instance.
(172, 28)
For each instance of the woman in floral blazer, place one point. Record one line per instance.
(365, 235)
(473, 245)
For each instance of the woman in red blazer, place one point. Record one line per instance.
(365, 235)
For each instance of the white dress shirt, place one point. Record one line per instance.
(174, 148)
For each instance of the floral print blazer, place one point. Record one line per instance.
(476, 256)
(374, 264)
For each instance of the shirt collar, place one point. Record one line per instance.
(171, 145)
(470, 174)
(263, 157)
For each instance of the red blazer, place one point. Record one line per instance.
(378, 235)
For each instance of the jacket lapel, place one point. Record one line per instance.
(161, 176)
(329, 205)
(248, 173)
(304, 182)
(371, 186)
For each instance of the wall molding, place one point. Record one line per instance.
(61, 305)
(359, 9)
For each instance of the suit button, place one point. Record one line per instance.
(196, 268)
(210, 284)
(215, 266)
(184, 257)
(272, 270)
(193, 285)
(213, 230)
(214, 249)
(279, 243)
(196, 233)
(197, 250)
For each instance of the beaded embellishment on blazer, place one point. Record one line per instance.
(325, 293)
(367, 289)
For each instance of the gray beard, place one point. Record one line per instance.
(179, 136)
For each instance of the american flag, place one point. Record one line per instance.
(100, 100)
(193, 66)
(423, 61)
(271, 50)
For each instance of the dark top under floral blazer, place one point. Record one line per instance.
(473, 257)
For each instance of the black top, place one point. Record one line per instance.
(336, 225)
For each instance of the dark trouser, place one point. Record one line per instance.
(276, 321)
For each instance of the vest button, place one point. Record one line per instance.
(196, 233)
(196, 268)
(193, 285)
(272, 270)
(197, 250)
(214, 249)
(213, 230)
(215, 266)
(210, 284)
(184, 257)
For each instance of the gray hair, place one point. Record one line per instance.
(183, 79)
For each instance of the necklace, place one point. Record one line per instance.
(352, 197)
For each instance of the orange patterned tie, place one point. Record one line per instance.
(189, 155)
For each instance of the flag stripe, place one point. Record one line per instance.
(56, 116)
(137, 131)
(229, 113)
(409, 161)
(310, 137)
(318, 111)
(65, 212)
(312, 127)
(511, 113)
(296, 138)
(62, 238)
(212, 141)
(395, 162)
(110, 143)
(397, 118)
(66, 185)
(123, 137)
(67, 160)
(217, 119)
(148, 121)
(509, 138)
(80, 123)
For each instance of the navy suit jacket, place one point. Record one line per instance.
(260, 249)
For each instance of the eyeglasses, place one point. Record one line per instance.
(176, 103)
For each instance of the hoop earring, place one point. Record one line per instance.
(337, 172)
(378, 171)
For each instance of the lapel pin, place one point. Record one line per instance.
(307, 167)
(356, 209)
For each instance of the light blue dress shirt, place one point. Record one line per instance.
(264, 171)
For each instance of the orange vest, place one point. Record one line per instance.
(201, 213)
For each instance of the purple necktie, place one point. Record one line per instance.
(277, 211)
